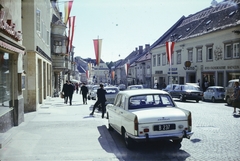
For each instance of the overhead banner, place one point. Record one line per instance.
(67, 8)
(97, 47)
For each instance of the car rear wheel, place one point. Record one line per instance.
(213, 99)
(127, 140)
(197, 100)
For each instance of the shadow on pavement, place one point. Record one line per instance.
(154, 151)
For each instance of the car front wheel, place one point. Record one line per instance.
(213, 100)
(182, 98)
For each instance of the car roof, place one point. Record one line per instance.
(111, 87)
(215, 87)
(234, 80)
(142, 91)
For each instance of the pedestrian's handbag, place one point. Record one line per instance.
(88, 97)
(62, 95)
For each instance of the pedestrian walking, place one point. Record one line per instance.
(236, 97)
(68, 89)
(84, 92)
(77, 87)
(101, 99)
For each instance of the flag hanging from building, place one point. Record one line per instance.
(127, 65)
(67, 8)
(97, 46)
(71, 25)
(169, 49)
(87, 74)
(113, 74)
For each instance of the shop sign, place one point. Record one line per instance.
(222, 67)
(8, 28)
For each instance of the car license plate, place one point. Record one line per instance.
(164, 127)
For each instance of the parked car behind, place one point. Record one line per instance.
(139, 86)
(170, 87)
(93, 92)
(148, 115)
(229, 90)
(122, 87)
(214, 93)
(111, 93)
(186, 92)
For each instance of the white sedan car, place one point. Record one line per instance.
(148, 114)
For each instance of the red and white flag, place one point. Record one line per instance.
(67, 8)
(169, 49)
(71, 25)
(97, 46)
(127, 66)
(113, 74)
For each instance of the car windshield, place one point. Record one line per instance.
(187, 87)
(220, 89)
(135, 87)
(149, 101)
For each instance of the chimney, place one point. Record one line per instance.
(140, 50)
(214, 3)
(136, 49)
(147, 47)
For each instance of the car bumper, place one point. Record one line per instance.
(183, 134)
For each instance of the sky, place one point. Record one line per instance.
(124, 25)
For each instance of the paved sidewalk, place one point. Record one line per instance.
(58, 131)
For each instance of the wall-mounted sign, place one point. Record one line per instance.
(8, 28)
(187, 63)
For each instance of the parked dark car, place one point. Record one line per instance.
(214, 93)
(170, 87)
(186, 92)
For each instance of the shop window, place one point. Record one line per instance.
(5, 79)
(236, 50)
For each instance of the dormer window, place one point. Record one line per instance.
(208, 22)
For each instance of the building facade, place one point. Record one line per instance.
(37, 61)
(11, 65)
(206, 48)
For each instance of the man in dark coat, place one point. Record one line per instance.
(101, 99)
(68, 90)
(84, 92)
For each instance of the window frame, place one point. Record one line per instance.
(179, 56)
(38, 20)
